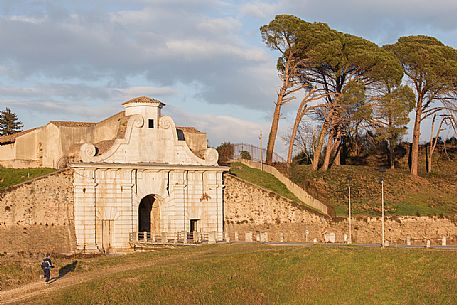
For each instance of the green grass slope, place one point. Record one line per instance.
(12, 176)
(429, 195)
(260, 274)
(262, 179)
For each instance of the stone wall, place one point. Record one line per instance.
(37, 215)
(398, 229)
(249, 208)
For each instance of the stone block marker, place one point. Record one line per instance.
(212, 238)
(428, 244)
(248, 237)
(227, 237)
(257, 236)
(408, 240)
(264, 237)
(330, 237)
(443, 241)
(237, 237)
(281, 237)
(195, 236)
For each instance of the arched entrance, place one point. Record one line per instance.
(149, 215)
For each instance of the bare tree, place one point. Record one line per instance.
(448, 120)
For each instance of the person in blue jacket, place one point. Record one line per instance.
(46, 265)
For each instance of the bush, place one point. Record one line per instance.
(226, 151)
(245, 155)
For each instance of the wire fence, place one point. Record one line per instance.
(254, 152)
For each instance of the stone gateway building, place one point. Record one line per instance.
(135, 176)
(148, 184)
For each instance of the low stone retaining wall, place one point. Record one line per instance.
(20, 163)
(292, 187)
(403, 230)
(250, 209)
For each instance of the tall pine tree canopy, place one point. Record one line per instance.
(9, 122)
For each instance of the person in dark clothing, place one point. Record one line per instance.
(46, 265)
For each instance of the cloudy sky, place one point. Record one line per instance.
(79, 60)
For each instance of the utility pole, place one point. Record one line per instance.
(382, 211)
(261, 157)
(349, 212)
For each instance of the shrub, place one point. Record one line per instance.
(245, 155)
(226, 151)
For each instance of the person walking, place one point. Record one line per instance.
(46, 265)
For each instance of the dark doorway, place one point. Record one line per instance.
(144, 213)
(194, 225)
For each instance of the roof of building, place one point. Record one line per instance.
(72, 124)
(143, 99)
(118, 116)
(11, 138)
(189, 129)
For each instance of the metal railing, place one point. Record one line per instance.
(174, 238)
(254, 152)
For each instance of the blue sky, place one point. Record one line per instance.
(79, 60)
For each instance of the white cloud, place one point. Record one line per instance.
(27, 19)
(158, 43)
(383, 21)
(220, 128)
(148, 91)
(220, 26)
(259, 9)
(203, 49)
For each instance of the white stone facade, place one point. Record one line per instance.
(147, 181)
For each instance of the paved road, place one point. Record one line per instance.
(450, 247)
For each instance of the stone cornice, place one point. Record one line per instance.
(153, 166)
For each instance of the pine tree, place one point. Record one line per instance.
(9, 122)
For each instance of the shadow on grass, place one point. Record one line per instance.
(67, 269)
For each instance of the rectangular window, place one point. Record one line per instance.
(151, 123)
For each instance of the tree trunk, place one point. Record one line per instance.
(432, 143)
(276, 115)
(338, 156)
(391, 153)
(416, 137)
(300, 114)
(298, 118)
(328, 150)
(337, 149)
(429, 158)
(318, 149)
(274, 130)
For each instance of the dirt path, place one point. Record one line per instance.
(35, 289)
